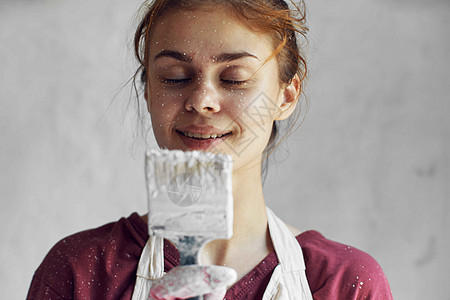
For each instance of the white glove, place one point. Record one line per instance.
(189, 281)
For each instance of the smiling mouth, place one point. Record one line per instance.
(203, 136)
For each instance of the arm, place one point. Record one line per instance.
(42, 291)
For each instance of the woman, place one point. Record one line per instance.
(218, 76)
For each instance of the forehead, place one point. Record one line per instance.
(206, 31)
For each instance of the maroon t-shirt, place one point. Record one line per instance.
(101, 264)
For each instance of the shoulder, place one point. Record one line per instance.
(77, 256)
(105, 237)
(341, 271)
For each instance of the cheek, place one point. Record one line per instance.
(236, 102)
(259, 107)
(165, 109)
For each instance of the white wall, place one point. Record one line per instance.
(369, 167)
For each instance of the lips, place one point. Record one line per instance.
(202, 138)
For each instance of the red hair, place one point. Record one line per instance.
(286, 26)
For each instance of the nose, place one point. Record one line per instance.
(204, 99)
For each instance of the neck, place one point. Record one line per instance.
(249, 207)
(250, 231)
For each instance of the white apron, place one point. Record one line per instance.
(288, 281)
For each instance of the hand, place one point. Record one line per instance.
(189, 281)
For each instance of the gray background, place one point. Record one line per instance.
(369, 166)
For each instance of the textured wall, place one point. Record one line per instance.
(369, 167)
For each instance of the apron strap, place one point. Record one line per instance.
(289, 252)
(151, 267)
(289, 281)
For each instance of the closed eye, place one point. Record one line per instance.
(175, 81)
(234, 82)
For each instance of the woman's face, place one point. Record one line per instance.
(208, 87)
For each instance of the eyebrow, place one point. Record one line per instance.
(174, 54)
(224, 57)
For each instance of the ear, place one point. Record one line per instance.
(290, 95)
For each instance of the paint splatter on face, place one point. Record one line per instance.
(209, 86)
